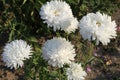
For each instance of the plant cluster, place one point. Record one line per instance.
(40, 34)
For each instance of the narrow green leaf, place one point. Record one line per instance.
(33, 39)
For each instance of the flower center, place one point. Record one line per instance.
(98, 23)
(56, 13)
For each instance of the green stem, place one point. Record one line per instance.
(40, 3)
(67, 36)
(57, 34)
(59, 72)
(12, 32)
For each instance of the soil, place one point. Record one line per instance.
(108, 70)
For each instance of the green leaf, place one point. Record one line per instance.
(35, 61)
(46, 69)
(24, 2)
(33, 39)
(12, 32)
(11, 35)
(54, 73)
(37, 48)
(83, 7)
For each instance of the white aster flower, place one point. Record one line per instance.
(15, 52)
(58, 51)
(56, 13)
(97, 26)
(70, 25)
(75, 72)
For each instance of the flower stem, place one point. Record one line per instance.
(59, 72)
